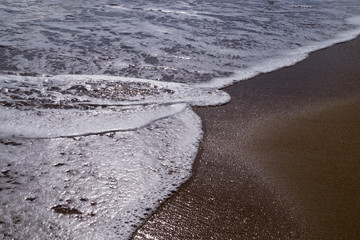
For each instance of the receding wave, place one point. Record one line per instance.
(95, 99)
(75, 105)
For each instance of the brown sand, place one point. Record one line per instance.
(280, 161)
(315, 154)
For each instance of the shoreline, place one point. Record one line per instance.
(258, 174)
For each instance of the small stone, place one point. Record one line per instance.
(59, 164)
(65, 210)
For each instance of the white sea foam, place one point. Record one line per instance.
(284, 58)
(94, 154)
(74, 122)
(93, 187)
(181, 41)
(101, 90)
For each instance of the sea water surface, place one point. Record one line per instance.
(95, 98)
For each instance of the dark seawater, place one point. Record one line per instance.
(95, 99)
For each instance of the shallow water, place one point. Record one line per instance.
(97, 128)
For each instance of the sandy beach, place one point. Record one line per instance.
(280, 161)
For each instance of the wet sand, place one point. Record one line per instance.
(280, 161)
